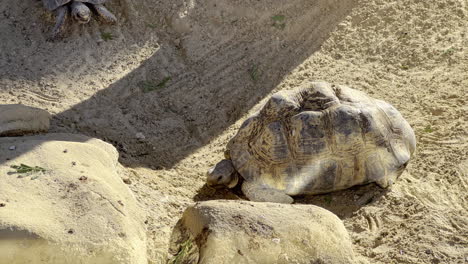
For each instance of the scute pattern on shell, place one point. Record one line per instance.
(54, 4)
(320, 138)
(94, 2)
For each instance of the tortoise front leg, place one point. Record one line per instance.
(105, 14)
(261, 193)
(61, 14)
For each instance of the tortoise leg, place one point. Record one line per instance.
(260, 193)
(105, 14)
(80, 12)
(384, 183)
(61, 14)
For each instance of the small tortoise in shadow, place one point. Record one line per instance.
(79, 10)
(316, 139)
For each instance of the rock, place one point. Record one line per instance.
(60, 213)
(18, 120)
(248, 232)
(437, 111)
(140, 136)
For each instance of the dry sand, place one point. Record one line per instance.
(186, 73)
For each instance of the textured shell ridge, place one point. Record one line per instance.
(400, 154)
(94, 2)
(322, 137)
(54, 4)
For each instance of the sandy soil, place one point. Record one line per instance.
(178, 77)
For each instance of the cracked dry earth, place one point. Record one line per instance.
(177, 78)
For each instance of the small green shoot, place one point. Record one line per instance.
(328, 199)
(106, 36)
(278, 18)
(404, 67)
(428, 129)
(449, 51)
(182, 254)
(254, 73)
(279, 21)
(152, 26)
(27, 170)
(149, 86)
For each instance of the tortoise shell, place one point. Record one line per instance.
(54, 4)
(321, 138)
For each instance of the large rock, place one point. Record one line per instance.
(76, 211)
(17, 120)
(248, 232)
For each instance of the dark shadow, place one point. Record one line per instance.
(211, 66)
(28, 57)
(180, 100)
(343, 203)
(346, 202)
(16, 234)
(206, 193)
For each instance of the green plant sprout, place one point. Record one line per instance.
(254, 72)
(279, 21)
(428, 129)
(27, 170)
(180, 257)
(107, 36)
(148, 86)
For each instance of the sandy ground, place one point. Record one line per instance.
(170, 84)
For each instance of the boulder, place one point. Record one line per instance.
(17, 120)
(62, 201)
(248, 232)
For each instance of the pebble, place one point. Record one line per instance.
(276, 240)
(437, 111)
(140, 136)
(127, 181)
(12, 148)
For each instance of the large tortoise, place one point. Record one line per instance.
(80, 11)
(316, 139)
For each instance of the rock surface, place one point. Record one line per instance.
(247, 232)
(71, 207)
(17, 120)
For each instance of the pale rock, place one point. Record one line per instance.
(67, 214)
(247, 232)
(18, 120)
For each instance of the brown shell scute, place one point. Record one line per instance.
(54, 4)
(321, 138)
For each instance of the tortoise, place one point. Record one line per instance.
(80, 11)
(315, 139)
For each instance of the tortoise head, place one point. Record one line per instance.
(223, 174)
(80, 12)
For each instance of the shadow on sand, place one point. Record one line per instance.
(343, 203)
(190, 90)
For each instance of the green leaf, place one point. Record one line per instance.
(149, 86)
(278, 18)
(254, 73)
(25, 169)
(107, 36)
